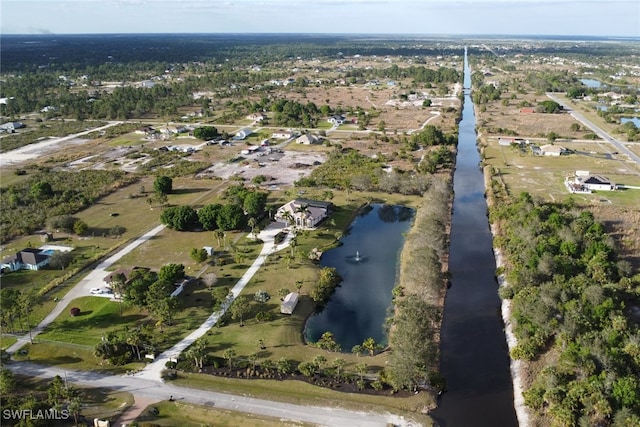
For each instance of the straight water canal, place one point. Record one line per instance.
(474, 353)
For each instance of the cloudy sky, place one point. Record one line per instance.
(446, 17)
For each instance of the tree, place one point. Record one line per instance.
(60, 260)
(283, 366)
(205, 133)
(219, 296)
(319, 361)
(7, 382)
(171, 273)
(41, 190)
(231, 217)
(283, 292)
(163, 184)
(180, 218)
(80, 227)
(307, 369)
(370, 345)
(208, 216)
(328, 342)
(548, 107)
(253, 224)
(240, 308)
(199, 254)
(197, 352)
(161, 305)
(117, 284)
(229, 355)
(74, 407)
(254, 203)
(338, 364)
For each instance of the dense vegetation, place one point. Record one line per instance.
(348, 169)
(418, 298)
(571, 298)
(27, 205)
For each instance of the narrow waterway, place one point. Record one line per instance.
(474, 354)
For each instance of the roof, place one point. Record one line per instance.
(552, 148)
(29, 256)
(597, 179)
(126, 272)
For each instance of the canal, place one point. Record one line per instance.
(474, 353)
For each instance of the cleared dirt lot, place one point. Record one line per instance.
(281, 169)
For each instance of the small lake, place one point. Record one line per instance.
(634, 120)
(591, 83)
(367, 261)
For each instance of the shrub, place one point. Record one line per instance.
(75, 311)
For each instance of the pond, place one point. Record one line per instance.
(367, 261)
(591, 83)
(634, 120)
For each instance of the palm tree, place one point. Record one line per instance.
(289, 218)
(253, 223)
(302, 212)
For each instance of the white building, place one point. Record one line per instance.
(289, 303)
(304, 213)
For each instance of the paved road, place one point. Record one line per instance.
(157, 391)
(620, 147)
(92, 280)
(33, 151)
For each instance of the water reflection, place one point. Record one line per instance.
(368, 268)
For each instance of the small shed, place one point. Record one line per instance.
(289, 303)
(209, 250)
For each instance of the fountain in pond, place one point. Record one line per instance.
(357, 258)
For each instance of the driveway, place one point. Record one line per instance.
(83, 288)
(153, 371)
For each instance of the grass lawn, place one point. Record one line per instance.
(189, 415)
(96, 402)
(544, 176)
(99, 315)
(7, 341)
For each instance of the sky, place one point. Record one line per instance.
(616, 18)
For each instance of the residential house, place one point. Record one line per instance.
(11, 126)
(282, 134)
(289, 303)
(336, 120)
(307, 139)
(243, 133)
(257, 117)
(125, 272)
(598, 183)
(552, 150)
(304, 213)
(506, 141)
(26, 259)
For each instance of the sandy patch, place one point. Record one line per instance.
(281, 169)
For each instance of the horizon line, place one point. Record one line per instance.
(337, 34)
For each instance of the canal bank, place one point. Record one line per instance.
(474, 353)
